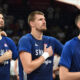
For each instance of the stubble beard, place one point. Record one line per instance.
(1, 28)
(41, 30)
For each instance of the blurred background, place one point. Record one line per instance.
(60, 17)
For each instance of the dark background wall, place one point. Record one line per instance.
(60, 17)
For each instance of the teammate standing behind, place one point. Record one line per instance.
(70, 58)
(36, 50)
(8, 51)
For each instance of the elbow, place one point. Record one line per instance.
(27, 70)
(63, 73)
(63, 77)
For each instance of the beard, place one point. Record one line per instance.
(1, 28)
(41, 30)
(1, 25)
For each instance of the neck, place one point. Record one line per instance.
(37, 35)
(0, 34)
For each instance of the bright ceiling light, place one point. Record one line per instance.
(72, 2)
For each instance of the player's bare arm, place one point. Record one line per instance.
(3, 33)
(66, 75)
(6, 56)
(30, 65)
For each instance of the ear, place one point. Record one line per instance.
(32, 23)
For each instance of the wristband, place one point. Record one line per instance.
(45, 55)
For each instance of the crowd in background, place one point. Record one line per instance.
(59, 17)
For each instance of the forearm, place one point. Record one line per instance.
(34, 64)
(15, 67)
(30, 65)
(6, 56)
(71, 76)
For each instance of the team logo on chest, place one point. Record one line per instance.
(38, 48)
(38, 52)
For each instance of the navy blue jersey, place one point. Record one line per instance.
(29, 44)
(70, 57)
(6, 44)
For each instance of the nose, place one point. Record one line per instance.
(44, 21)
(1, 20)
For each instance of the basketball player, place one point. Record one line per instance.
(36, 50)
(70, 58)
(8, 51)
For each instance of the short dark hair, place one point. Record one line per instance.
(1, 12)
(31, 16)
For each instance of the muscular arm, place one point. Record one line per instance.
(6, 56)
(66, 75)
(15, 68)
(30, 65)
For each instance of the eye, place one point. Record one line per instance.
(3, 18)
(40, 19)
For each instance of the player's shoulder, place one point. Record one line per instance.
(25, 37)
(49, 37)
(71, 42)
(7, 38)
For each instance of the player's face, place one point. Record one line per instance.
(40, 23)
(78, 24)
(1, 21)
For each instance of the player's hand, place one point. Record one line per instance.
(3, 33)
(17, 77)
(49, 50)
